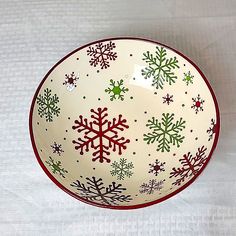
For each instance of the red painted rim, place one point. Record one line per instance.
(133, 206)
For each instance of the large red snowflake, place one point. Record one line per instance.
(101, 54)
(190, 166)
(100, 135)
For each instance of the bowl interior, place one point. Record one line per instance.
(124, 123)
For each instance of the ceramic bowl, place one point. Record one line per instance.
(124, 123)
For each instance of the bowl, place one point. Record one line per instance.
(124, 123)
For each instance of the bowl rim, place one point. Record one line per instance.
(142, 204)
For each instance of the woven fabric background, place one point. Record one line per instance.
(34, 35)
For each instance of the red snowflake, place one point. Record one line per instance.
(57, 148)
(212, 130)
(168, 99)
(100, 134)
(101, 54)
(197, 104)
(190, 165)
(70, 81)
(156, 167)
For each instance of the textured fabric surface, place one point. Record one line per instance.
(34, 35)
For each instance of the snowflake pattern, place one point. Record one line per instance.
(70, 81)
(122, 169)
(190, 166)
(188, 78)
(165, 132)
(152, 186)
(57, 148)
(101, 138)
(101, 54)
(156, 167)
(168, 99)
(56, 167)
(116, 90)
(95, 191)
(212, 129)
(48, 105)
(197, 104)
(160, 68)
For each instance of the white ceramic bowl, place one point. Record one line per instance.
(124, 123)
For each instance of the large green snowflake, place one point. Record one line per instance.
(122, 169)
(47, 105)
(160, 69)
(116, 90)
(165, 132)
(56, 167)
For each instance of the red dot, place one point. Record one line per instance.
(198, 104)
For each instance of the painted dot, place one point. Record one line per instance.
(84, 97)
(77, 161)
(64, 138)
(99, 99)
(174, 154)
(41, 150)
(155, 93)
(149, 154)
(37, 123)
(81, 176)
(134, 153)
(98, 71)
(184, 65)
(131, 97)
(135, 120)
(196, 138)
(93, 168)
(77, 58)
(183, 105)
(191, 130)
(145, 112)
(66, 130)
(46, 129)
(87, 75)
(134, 78)
(136, 195)
(136, 139)
(51, 80)
(131, 55)
(186, 92)
(68, 118)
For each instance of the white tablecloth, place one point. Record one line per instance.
(34, 35)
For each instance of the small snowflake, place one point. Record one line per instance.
(212, 129)
(101, 54)
(70, 81)
(151, 186)
(188, 78)
(56, 167)
(57, 148)
(168, 99)
(156, 167)
(47, 105)
(197, 104)
(116, 89)
(122, 169)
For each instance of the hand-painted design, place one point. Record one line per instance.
(188, 78)
(95, 191)
(116, 90)
(56, 167)
(151, 186)
(70, 81)
(47, 105)
(101, 54)
(57, 148)
(197, 104)
(168, 99)
(165, 132)
(212, 129)
(190, 166)
(156, 167)
(122, 169)
(160, 68)
(100, 130)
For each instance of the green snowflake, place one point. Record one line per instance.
(160, 68)
(56, 167)
(116, 90)
(47, 105)
(165, 132)
(188, 78)
(122, 169)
